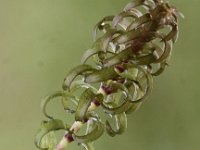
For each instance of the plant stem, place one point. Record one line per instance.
(67, 138)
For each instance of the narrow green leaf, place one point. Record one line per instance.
(130, 74)
(138, 93)
(47, 99)
(88, 54)
(100, 24)
(46, 127)
(65, 102)
(118, 58)
(144, 60)
(84, 103)
(92, 136)
(161, 68)
(117, 110)
(62, 94)
(121, 125)
(80, 84)
(88, 146)
(133, 107)
(106, 38)
(127, 36)
(49, 140)
(101, 75)
(79, 70)
(173, 35)
(166, 53)
(133, 4)
(149, 81)
(123, 15)
(139, 21)
(125, 106)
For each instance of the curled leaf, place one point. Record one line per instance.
(122, 15)
(144, 60)
(84, 103)
(65, 102)
(80, 84)
(49, 140)
(91, 136)
(88, 146)
(147, 77)
(130, 74)
(121, 125)
(173, 34)
(149, 82)
(138, 93)
(47, 127)
(100, 25)
(88, 54)
(106, 38)
(46, 101)
(161, 68)
(117, 110)
(131, 48)
(62, 94)
(166, 53)
(101, 75)
(127, 36)
(133, 4)
(139, 21)
(118, 58)
(79, 70)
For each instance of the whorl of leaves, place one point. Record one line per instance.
(116, 72)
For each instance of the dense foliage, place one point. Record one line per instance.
(116, 73)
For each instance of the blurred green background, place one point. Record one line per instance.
(41, 40)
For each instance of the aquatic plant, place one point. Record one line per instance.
(115, 74)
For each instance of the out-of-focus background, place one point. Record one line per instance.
(41, 40)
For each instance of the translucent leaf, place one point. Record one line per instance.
(112, 87)
(88, 146)
(139, 21)
(92, 136)
(100, 24)
(65, 102)
(144, 60)
(117, 110)
(127, 36)
(130, 74)
(76, 85)
(101, 75)
(102, 45)
(161, 68)
(84, 103)
(49, 140)
(118, 58)
(133, 4)
(149, 82)
(122, 15)
(46, 100)
(166, 53)
(47, 127)
(125, 106)
(88, 54)
(135, 106)
(173, 35)
(106, 38)
(121, 125)
(79, 70)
